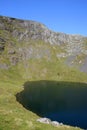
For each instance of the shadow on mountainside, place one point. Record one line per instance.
(65, 102)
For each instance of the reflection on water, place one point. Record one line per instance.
(65, 102)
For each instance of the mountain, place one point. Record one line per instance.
(13, 31)
(30, 52)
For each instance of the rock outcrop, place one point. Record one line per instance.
(24, 30)
(16, 34)
(48, 121)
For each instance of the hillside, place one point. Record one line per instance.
(33, 55)
(16, 37)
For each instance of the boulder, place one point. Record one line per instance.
(55, 123)
(44, 120)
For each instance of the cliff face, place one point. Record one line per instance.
(16, 37)
(26, 30)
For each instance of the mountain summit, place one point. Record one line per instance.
(26, 30)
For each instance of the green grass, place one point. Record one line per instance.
(12, 114)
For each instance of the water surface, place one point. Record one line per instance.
(65, 102)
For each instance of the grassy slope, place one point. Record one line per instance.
(12, 114)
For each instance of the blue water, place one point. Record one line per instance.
(73, 118)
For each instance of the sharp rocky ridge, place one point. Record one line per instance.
(26, 30)
(14, 30)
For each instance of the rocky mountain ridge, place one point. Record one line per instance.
(26, 30)
(16, 36)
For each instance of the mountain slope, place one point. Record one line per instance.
(29, 51)
(17, 35)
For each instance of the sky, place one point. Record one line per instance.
(68, 16)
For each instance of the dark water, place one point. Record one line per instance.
(73, 118)
(64, 102)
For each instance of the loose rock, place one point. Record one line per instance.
(48, 121)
